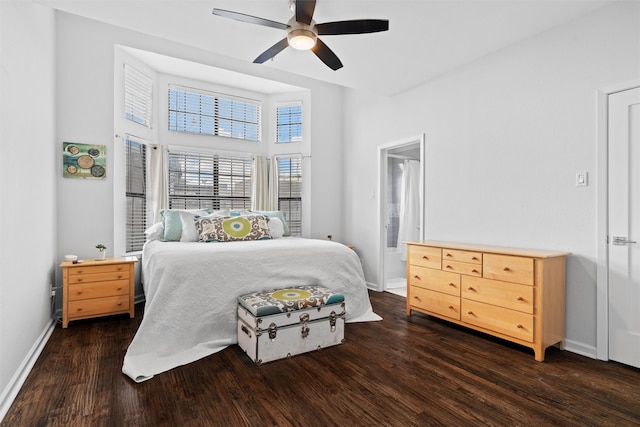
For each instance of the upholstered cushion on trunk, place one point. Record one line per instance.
(263, 303)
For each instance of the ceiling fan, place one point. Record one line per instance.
(303, 32)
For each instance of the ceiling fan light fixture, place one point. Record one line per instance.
(301, 39)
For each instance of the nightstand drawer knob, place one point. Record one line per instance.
(519, 326)
(453, 285)
(520, 299)
(506, 269)
(425, 257)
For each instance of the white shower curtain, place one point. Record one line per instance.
(410, 201)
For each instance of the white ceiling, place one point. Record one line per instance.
(426, 38)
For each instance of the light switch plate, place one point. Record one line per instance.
(582, 179)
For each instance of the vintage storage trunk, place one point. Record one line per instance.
(284, 322)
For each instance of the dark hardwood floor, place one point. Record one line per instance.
(398, 372)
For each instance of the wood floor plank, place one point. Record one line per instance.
(402, 371)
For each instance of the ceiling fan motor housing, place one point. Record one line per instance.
(300, 35)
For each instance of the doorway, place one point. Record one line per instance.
(618, 283)
(401, 210)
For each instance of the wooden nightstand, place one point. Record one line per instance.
(97, 288)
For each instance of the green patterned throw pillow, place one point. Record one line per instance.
(230, 229)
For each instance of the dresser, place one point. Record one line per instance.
(514, 294)
(97, 288)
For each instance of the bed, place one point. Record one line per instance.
(191, 291)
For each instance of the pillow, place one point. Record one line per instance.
(189, 230)
(154, 232)
(172, 223)
(276, 228)
(232, 228)
(276, 214)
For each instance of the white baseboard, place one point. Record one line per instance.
(372, 286)
(580, 348)
(15, 384)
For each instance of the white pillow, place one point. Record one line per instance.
(189, 232)
(154, 232)
(276, 227)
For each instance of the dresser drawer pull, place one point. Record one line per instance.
(506, 269)
(520, 299)
(470, 288)
(449, 267)
(79, 279)
(470, 313)
(119, 288)
(473, 258)
(120, 303)
(453, 285)
(119, 276)
(418, 298)
(452, 307)
(519, 326)
(425, 257)
(448, 254)
(475, 271)
(80, 309)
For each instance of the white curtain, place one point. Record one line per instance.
(159, 180)
(410, 200)
(264, 184)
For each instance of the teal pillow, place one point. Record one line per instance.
(277, 214)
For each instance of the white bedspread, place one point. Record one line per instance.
(191, 293)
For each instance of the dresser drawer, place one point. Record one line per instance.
(462, 256)
(509, 322)
(435, 280)
(98, 289)
(425, 256)
(462, 268)
(91, 307)
(508, 268)
(503, 294)
(435, 302)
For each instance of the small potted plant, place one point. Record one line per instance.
(102, 252)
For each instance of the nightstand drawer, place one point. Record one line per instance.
(95, 269)
(425, 256)
(503, 294)
(435, 280)
(98, 277)
(91, 307)
(98, 289)
(509, 322)
(435, 302)
(508, 268)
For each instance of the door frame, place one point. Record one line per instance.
(602, 197)
(383, 151)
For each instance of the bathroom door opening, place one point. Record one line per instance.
(401, 208)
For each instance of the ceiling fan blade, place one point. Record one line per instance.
(326, 55)
(250, 19)
(356, 26)
(304, 10)
(272, 51)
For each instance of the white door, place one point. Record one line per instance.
(624, 226)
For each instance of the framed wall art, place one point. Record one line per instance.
(84, 160)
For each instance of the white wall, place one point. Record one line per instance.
(504, 139)
(85, 114)
(28, 168)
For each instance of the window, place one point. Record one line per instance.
(209, 113)
(290, 192)
(207, 180)
(289, 123)
(136, 194)
(138, 90)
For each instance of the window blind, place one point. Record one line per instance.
(209, 180)
(138, 92)
(136, 194)
(290, 192)
(289, 123)
(210, 113)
